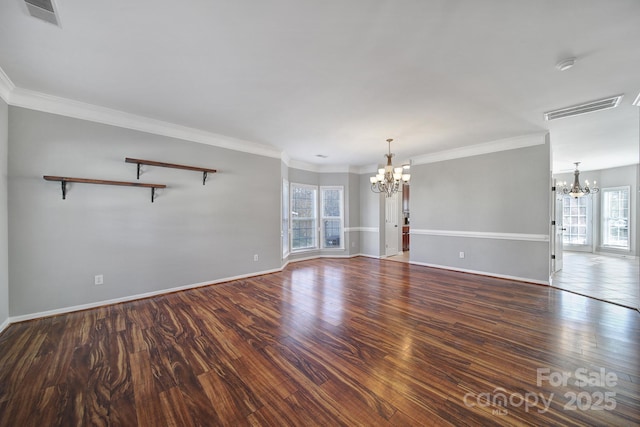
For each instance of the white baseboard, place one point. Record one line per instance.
(5, 324)
(372, 256)
(70, 309)
(483, 273)
(22, 318)
(325, 255)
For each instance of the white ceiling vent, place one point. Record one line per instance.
(43, 9)
(589, 107)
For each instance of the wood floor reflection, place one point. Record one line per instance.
(604, 277)
(330, 342)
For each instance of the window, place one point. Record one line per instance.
(313, 228)
(304, 217)
(615, 217)
(331, 216)
(285, 218)
(576, 219)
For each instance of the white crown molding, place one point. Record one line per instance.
(369, 169)
(66, 107)
(6, 87)
(39, 101)
(285, 158)
(483, 235)
(311, 167)
(486, 148)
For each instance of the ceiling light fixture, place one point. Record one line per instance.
(565, 64)
(388, 179)
(576, 190)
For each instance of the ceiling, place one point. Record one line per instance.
(338, 78)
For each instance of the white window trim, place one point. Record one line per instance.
(590, 233)
(285, 227)
(321, 216)
(317, 231)
(603, 219)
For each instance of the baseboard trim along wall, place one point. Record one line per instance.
(22, 318)
(71, 309)
(483, 235)
(483, 273)
(5, 324)
(64, 310)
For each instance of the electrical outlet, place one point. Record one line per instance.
(461, 254)
(255, 257)
(98, 280)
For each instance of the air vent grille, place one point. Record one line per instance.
(42, 4)
(589, 107)
(43, 9)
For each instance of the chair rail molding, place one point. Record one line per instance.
(482, 235)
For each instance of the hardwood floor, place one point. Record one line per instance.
(330, 342)
(607, 278)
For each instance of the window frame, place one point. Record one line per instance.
(588, 205)
(292, 217)
(604, 217)
(322, 217)
(284, 221)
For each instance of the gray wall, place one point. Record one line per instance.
(371, 219)
(353, 206)
(191, 234)
(4, 232)
(614, 177)
(456, 204)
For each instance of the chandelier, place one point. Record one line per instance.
(388, 179)
(576, 190)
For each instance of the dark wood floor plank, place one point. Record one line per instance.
(174, 409)
(146, 394)
(326, 342)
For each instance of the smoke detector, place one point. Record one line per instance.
(565, 64)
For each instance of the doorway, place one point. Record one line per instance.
(404, 229)
(392, 223)
(582, 230)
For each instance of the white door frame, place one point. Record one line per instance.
(392, 224)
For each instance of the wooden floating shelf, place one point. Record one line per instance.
(65, 179)
(141, 162)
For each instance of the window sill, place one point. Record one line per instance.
(302, 251)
